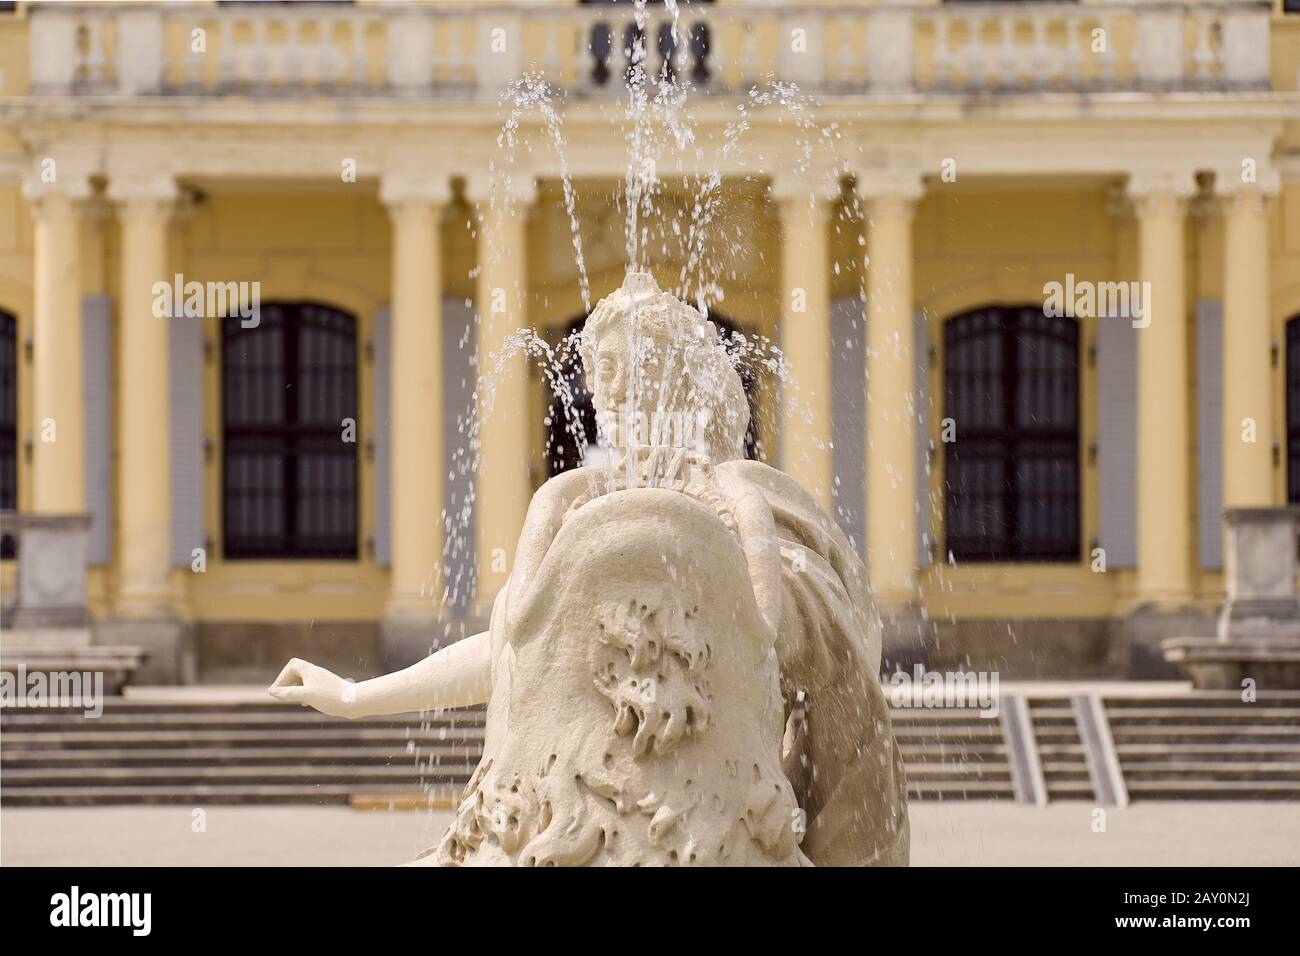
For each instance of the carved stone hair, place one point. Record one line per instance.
(696, 368)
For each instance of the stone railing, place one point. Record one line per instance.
(462, 52)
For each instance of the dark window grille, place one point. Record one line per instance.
(8, 423)
(1011, 387)
(289, 477)
(1293, 410)
(565, 451)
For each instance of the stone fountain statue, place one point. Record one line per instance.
(682, 668)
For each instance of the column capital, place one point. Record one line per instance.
(812, 189)
(892, 185)
(399, 188)
(514, 186)
(1161, 185)
(45, 181)
(1240, 194)
(157, 191)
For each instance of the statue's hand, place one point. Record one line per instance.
(302, 682)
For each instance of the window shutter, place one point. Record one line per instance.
(185, 390)
(381, 342)
(1209, 427)
(97, 372)
(1117, 440)
(849, 417)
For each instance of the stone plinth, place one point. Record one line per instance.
(1259, 628)
(50, 630)
(51, 575)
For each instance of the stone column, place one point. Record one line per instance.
(503, 484)
(1163, 430)
(891, 389)
(415, 206)
(1248, 425)
(58, 406)
(143, 456)
(805, 208)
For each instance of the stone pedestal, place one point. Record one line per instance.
(51, 631)
(51, 601)
(1259, 627)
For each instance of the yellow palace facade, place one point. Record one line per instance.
(1041, 488)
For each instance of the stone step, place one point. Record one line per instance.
(1205, 698)
(1071, 791)
(278, 756)
(1237, 751)
(1214, 789)
(200, 795)
(1183, 732)
(184, 776)
(1064, 736)
(920, 772)
(921, 734)
(974, 789)
(1214, 769)
(1246, 713)
(27, 719)
(323, 737)
(137, 705)
(1072, 749)
(938, 715)
(951, 754)
(1065, 768)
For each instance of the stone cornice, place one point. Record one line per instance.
(994, 145)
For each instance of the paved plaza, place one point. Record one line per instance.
(971, 833)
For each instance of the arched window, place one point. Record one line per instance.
(1293, 410)
(289, 457)
(1011, 390)
(565, 451)
(8, 422)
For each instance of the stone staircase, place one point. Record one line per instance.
(1208, 746)
(227, 753)
(953, 754)
(1201, 746)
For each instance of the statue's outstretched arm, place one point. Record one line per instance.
(456, 676)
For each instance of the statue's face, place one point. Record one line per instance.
(641, 395)
(626, 376)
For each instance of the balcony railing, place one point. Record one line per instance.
(451, 52)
